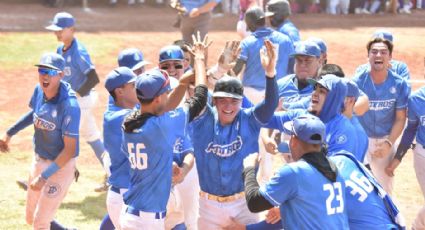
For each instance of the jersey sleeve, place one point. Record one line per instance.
(71, 119)
(244, 51)
(281, 187)
(279, 118)
(403, 96)
(411, 111)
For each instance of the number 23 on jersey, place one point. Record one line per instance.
(334, 202)
(138, 159)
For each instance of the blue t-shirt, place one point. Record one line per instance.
(220, 150)
(254, 75)
(384, 100)
(307, 199)
(416, 113)
(77, 64)
(289, 29)
(112, 139)
(149, 150)
(365, 208)
(53, 119)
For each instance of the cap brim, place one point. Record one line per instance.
(303, 54)
(288, 128)
(268, 14)
(140, 65)
(225, 94)
(313, 82)
(173, 59)
(54, 28)
(48, 66)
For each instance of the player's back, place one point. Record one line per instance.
(308, 199)
(366, 210)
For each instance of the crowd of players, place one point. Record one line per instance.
(183, 142)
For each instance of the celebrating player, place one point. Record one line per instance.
(81, 75)
(56, 117)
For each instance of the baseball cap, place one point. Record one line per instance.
(280, 7)
(307, 48)
(352, 89)
(131, 58)
(385, 34)
(118, 77)
(52, 61)
(169, 53)
(228, 87)
(253, 14)
(320, 43)
(326, 81)
(308, 128)
(61, 21)
(152, 83)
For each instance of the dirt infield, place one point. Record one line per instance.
(150, 28)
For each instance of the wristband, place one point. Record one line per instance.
(53, 167)
(388, 142)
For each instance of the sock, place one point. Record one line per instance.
(106, 223)
(54, 225)
(98, 148)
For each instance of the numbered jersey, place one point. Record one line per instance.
(150, 152)
(365, 209)
(306, 198)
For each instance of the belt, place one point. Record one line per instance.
(222, 199)
(115, 189)
(148, 215)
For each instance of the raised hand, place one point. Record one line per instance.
(229, 55)
(269, 58)
(199, 47)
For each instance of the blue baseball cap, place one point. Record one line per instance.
(385, 34)
(352, 89)
(152, 83)
(308, 128)
(170, 53)
(131, 58)
(118, 77)
(307, 48)
(52, 61)
(326, 81)
(320, 43)
(61, 21)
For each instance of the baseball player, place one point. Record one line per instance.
(56, 116)
(241, 28)
(133, 59)
(148, 140)
(310, 192)
(388, 94)
(278, 12)
(415, 129)
(171, 59)
(396, 66)
(222, 136)
(253, 78)
(120, 85)
(81, 75)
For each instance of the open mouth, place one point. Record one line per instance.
(46, 84)
(227, 112)
(379, 62)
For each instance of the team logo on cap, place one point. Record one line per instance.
(225, 150)
(393, 90)
(137, 57)
(52, 190)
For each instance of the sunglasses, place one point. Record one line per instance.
(50, 72)
(176, 66)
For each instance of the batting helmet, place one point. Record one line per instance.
(254, 17)
(278, 8)
(171, 52)
(228, 87)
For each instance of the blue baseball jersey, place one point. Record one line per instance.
(254, 75)
(341, 135)
(416, 113)
(365, 208)
(53, 119)
(288, 89)
(288, 28)
(112, 136)
(384, 100)
(361, 138)
(77, 64)
(220, 150)
(307, 199)
(182, 147)
(150, 153)
(398, 67)
(191, 4)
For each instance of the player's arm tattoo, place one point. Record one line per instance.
(92, 80)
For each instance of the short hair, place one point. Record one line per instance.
(388, 43)
(331, 69)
